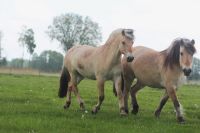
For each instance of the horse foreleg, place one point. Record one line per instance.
(127, 86)
(100, 86)
(134, 90)
(161, 105)
(172, 94)
(118, 85)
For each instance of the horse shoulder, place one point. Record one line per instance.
(174, 78)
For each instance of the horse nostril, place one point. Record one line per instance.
(130, 58)
(187, 71)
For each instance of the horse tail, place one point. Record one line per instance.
(64, 79)
(122, 86)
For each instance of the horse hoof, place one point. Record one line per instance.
(95, 110)
(181, 120)
(157, 114)
(126, 110)
(134, 111)
(82, 106)
(67, 105)
(123, 113)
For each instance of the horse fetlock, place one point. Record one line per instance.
(157, 113)
(101, 98)
(67, 105)
(95, 109)
(82, 106)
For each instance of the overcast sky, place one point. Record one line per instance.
(156, 22)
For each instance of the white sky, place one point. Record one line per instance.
(156, 22)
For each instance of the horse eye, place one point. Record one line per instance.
(123, 43)
(181, 54)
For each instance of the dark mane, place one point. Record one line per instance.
(173, 52)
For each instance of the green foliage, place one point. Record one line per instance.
(49, 61)
(16, 63)
(27, 40)
(70, 29)
(3, 62)
(195, 75)
(29, 104)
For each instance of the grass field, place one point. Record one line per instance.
(30, 104)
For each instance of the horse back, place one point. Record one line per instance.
(80, 59)
(146, 66)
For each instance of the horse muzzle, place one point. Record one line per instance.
(187, 71)
(130, 58)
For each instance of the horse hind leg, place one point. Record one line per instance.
(79, 99)
(75, 80)
(134, 90)
(68, 101)
(76, 92)
(161, 105)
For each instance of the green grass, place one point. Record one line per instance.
(30, 104)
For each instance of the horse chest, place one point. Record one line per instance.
(181, 81)
(112, 73)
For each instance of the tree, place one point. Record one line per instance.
(1, 35)
(17, 63)
(49, 61)
(26, 39)
(3, 61)
(70, 29)
(195, 75)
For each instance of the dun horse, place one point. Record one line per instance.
(98, 63)
(165, 69)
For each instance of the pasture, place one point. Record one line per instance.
(30, 104)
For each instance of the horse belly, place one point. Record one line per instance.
(87, 74)
(152, 80)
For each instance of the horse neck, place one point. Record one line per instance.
(176, 68)
(111, 53)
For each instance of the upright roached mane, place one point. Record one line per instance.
(129, 34)
(99, 63)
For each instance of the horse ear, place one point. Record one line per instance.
(192, 42)
(181, 41)
(123, 32)
(128, 33)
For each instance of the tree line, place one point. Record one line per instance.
(47, 61)
(69, 29)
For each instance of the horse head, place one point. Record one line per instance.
(180, 53)
(126, 44)
(187, 50)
